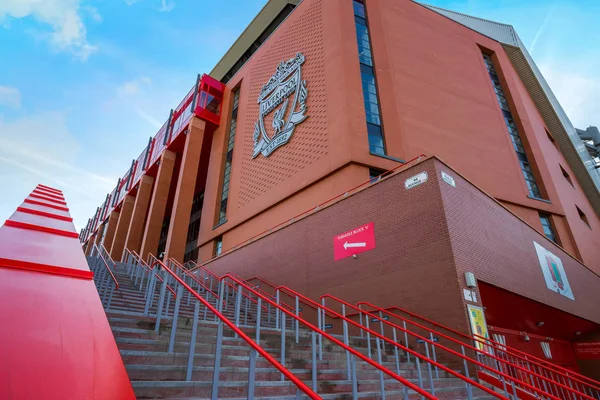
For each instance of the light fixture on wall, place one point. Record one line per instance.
(540, 324)
(577, 333)
(525, 336)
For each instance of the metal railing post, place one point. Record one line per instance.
(277, 309)
(346, 342)
(190, 363)
(282, 342)
(437, 373)
(395, 351)
(297, 321)
(381, 379)
(354, 380)
(215, 385)
(175, 317)
(258, 316)
(313, 352)
(429, 369)
(159, 308)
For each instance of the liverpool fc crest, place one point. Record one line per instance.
(282, 101)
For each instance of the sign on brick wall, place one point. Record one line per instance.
(587, 351)
(554, 273)
(354, 241)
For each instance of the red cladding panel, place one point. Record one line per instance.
(55, 341)
(37, 208)
(30, 200)
(47, 198)
(37, 222)
(48, 194)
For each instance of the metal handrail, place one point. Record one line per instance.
(525, 357)
(265, 293)
(332, 339)
(178, 265)
(218, 278)
(318, 307)
(477, 363)
(299, 384)
(107, 267)
(145, 265)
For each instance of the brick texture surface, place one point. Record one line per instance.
(426, 238)
(498, 247)
(411, 265)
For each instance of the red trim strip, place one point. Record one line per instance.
(23, 225)
(49, 188)
(39, 203)
(44, 214)
(49, 194)
(37, 196)
(45, 268)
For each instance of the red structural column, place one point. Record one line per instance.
(89, 245)
(118, 244)
(184, 194)
(111, 228)
(138, 217)
(55, 341)
(158, 204)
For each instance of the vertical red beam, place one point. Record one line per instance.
(55, 341)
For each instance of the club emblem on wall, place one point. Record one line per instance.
(284, 95)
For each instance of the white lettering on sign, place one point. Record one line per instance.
(448, 179)
(415, 180)
(353, 232)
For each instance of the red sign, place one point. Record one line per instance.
(588, 351)
(353, 242)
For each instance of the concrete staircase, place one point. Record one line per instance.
(157, 373)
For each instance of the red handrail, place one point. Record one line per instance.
(499, 347)
(333, 339)
(267, 294)
(108, 268)
(318, 306)
(218, 278)
(178, 265)
(510, 378)
(157, 275)
(308, 391)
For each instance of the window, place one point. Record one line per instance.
(218, 246)
(376, 174)
(369, 82)
(583, 217)
(548, 228)
(566, 175)
(532, 186)
(551, 138)
(228, 159)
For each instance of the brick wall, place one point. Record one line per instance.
(426, 238)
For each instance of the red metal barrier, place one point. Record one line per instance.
(55, 340)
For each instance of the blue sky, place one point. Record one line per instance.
(84, 83)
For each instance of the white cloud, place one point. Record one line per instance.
(39, 148)
(133, 87)
(10, 97)
(68, 30)
(166, 6)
